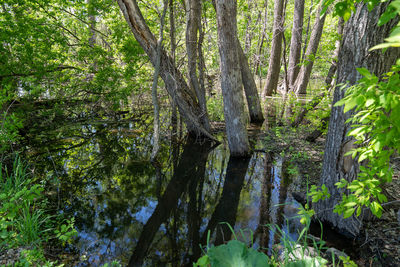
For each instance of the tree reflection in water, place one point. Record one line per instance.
(128, 210)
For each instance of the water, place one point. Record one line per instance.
(159, 215)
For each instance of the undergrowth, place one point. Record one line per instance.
(25, 222)
(306, 251)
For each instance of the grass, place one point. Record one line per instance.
(24, 220)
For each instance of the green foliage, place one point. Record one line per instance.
(216, 108)
(34, 257)
(10, 124)
(347, 262)
(306, 214)
(66, 232)
(345, 8)
(24, 220)
(391, 12)
(319, 193)
(112, 264)
(233, 254)
(376, 129)
(18, 224)
(68, 49)
(236, 253)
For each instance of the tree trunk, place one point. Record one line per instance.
(260, 43)
(231, 79)
(276, 49)
(249, 84)
(154, 97)
(295, 42)
(174, 115)
(300, 85)
(307, 30)
(250, 88)
(192, 28)
(184, 97)
(360, 34)
(328, 81)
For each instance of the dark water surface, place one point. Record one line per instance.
(128, 209)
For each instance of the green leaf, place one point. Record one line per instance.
(235, 254)
(388, 15)
(347, 213)
(364, 72)
(369, 102)
(350, 204)
(350, 104)
(382, 198)
(384, 45)
(358, 211)
(203, 261)
(376, 209)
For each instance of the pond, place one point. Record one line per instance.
(162, 214)
(159, 214)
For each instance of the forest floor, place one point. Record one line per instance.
(381, 236)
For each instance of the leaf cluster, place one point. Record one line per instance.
(376, 129)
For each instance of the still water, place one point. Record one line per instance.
(127, 209)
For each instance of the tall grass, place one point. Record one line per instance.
(24, 219)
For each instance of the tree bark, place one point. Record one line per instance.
(360, 34)
(300, 85)
(276, 50)
(154, 97)
(231, 79)
(250, 88)
(174, 113)
(328, 81)
(184, 97)
(249, 84)
(295, 42)
(192, 29)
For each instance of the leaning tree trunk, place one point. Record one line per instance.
(250, 88)
(295, 42)
(185, 98)
(276, 50)
(329, 83)
(300, 85)
(192, 29)
(360, 33)
(231, 79)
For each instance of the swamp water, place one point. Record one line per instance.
(160, 215)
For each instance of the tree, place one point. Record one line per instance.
(184, 97)
(300, 85)
(295, 43)
(249, 84)
(276, 50)
(193, 27)
(231, 79)
(361, 32)
(250, 88)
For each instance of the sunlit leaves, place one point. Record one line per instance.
(391, 12)
(319, 193)
(345, 8)
(375, 126)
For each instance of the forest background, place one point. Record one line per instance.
(57, 55)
